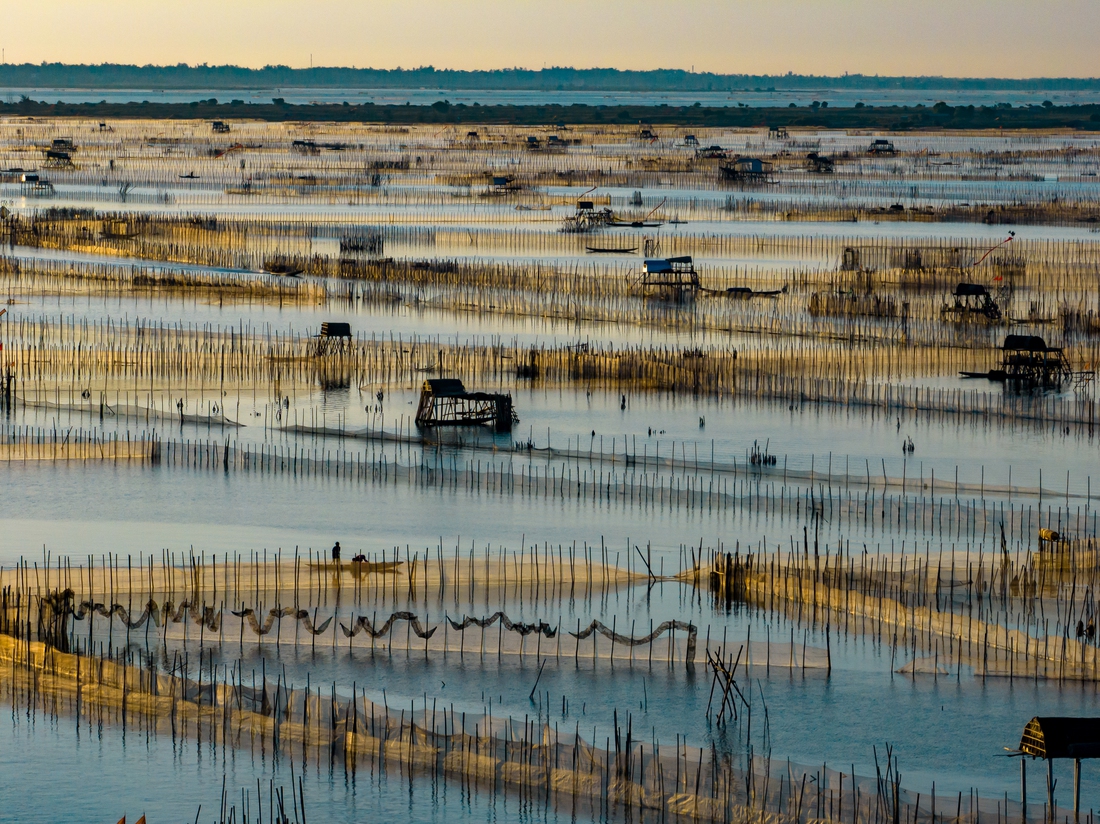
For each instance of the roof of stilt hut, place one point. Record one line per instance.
(1061, 738)
(445, 387)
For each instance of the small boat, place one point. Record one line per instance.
(746, 292)
(281, 266)
(190, 176)
(993, 375)
(613, 250)
(359, 568)
(644, 223)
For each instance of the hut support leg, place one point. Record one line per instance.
(1050, 789)
(1023, 790)
(1077, 789)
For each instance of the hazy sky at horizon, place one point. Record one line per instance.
(1004, 38)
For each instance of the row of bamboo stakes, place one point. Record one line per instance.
(47, 356)
(540, 762)
(999, 607)
(821, 316)
(140, 692)
(1063, 569)
(235, 241)
(860, 504)
(895, 307)
(160, 161)
(915, 605)
(712, 200)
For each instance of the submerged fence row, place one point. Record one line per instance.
(862, 505)
(534, 758)
(97, 357)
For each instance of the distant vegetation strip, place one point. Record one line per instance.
(895, 118)
(183, 76)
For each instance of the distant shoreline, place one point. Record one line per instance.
(230, 78)
(889, 118)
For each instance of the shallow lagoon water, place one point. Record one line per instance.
(169, 781)
(830, 439)
(948, 730)
(814, 718)
(137, 509)
(951, 730)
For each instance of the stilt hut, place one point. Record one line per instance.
(1049, 738)
(669, 278)
(445, 402)
(972, 300)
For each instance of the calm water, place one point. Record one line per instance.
(950, 730)
(827, 439)
(46, 764)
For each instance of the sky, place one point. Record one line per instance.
(985, 38)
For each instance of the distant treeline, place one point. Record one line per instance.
(895, 118)
(183, 76)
